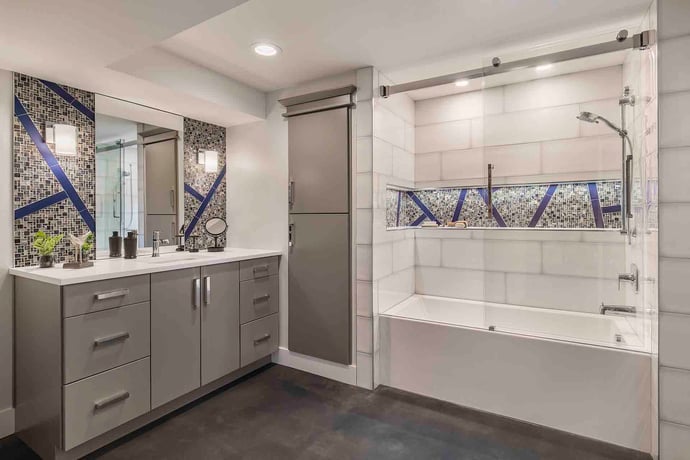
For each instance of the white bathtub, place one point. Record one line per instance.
(576, 372)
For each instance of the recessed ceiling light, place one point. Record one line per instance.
(541, 68)
(462, 83)
(266, 49)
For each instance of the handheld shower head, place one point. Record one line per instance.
(590, 117)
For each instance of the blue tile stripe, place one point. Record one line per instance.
(53, 164)
(461, 202)
(542, 205)
(423, 207)
(397, 213)
(612, 208)
(71, 100)
(204, 203)
(596, 205)
(494, 211)
(189, 189)
(40, 204)
(418, 221)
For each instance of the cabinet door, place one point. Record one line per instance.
(161, 177)
(319, 162)
(220, 321)
(319, 287)
(175, 334)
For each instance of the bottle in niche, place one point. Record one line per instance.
(131, 245)
(115, 243)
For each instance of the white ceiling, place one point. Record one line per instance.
(325, 37)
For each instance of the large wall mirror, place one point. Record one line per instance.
(139, 169)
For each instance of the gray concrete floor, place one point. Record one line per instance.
(281, 413)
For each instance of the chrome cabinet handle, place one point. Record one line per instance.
(112, 294)
(261, 268)
(207, 290)
(291, 193)
(172, 198)
(291, 235)
(490, 169)
(100, 341)
(197, 293)
(262, 339)
(105, 402)
(261, 298)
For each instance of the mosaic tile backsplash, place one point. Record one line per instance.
(54, 193)
(204, 191)
(556, 205)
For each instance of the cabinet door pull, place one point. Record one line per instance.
(197, 293)
(261, 298)
(100, 341)
(207, 290)
(262, 339)
(260, 269)
(105, 402)
(112, 294)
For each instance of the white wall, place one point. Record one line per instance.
(6, 248)
(674, 218)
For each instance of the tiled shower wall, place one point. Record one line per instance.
(210, 185)
(36, 175)
(674, 220)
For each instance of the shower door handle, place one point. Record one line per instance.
(489, 200)
(291, 235)
(628, 186)
(172, 198)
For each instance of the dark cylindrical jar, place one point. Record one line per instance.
(131, 245)
(115, 243)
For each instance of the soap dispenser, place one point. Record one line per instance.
(131, 245)
(115, 243)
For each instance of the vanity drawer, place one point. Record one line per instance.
(258, 298)
(258, 268)
(106, 339)
(258, 339)
(100, 403)
(78, 299)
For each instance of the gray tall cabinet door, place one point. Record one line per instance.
(319, 287)
(161, 177)
(319, 162)
(220, 321)
(176, 337)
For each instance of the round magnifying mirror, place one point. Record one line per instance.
(216, 226)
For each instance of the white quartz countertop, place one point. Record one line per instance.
(142, 265)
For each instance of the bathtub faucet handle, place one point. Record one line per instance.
(633, 277)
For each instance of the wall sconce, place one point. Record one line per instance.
(211, 161)
(62, 137)
(200, 157)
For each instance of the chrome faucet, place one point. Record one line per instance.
(633, 277)
(617, 308)
(156, 244)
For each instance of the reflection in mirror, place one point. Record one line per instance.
(137, 184)
(216, 226)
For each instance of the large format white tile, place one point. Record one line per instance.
(514, 160)
(564, 89)
(388, 126)
(403, 164)
(449, 108)
(463, 164)
(403, 254)
(364, 190)
(461, 284)
(365, 371)
(674, 395)
(395, 288)
(674, 221)
(531, 126)
(440, 137)
(364, 226)
(382, 260)
(410, 137)
(600, 153)
(561, 292)
(674, 118)
(674, 64)
(365, 298)
(365, 334)
(673, 167)
(674, 441)
(401, 105)
(365, 83)
(674, 340)
(364, 154)
(364, 118)
(674, 288)
(427, 252)
(427, 167)
(364, 264)
(593, 260)
(492, 255)
(525, 235)
(382, 157)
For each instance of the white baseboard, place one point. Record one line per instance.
(6, 422)
(340, 372)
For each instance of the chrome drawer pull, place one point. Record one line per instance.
(261, 268)
(112, 294)
(105, 402)
(262, 339)
(99, 342)
(207, 290)
(262, 298)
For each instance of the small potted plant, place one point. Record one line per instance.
(87, 246)
(45, 245)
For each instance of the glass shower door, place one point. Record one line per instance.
(109, 162)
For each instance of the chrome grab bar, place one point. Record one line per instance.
(111, 294)
(628, 186)
(262, 339)
(105, 402)
(100, 341)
